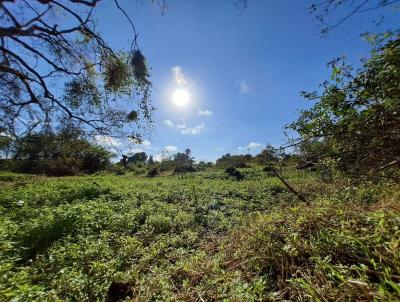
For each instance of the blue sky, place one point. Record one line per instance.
(243, 69)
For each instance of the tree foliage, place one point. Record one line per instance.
(139, 157)
(51, 70)
(237, 161)
(183, 162)
(65, 152)
(356, 117)
(268, 154)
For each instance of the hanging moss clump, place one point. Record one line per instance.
(140, 67)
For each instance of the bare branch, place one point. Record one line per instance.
(39, 60)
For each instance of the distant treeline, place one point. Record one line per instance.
(68, 152)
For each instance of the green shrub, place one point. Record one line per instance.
(62, 167)
(159, 223)
(118, 170)
(233, 172)
(153, 172)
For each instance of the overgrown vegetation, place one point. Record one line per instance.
(65, 152)
(320, 222)
(204, 237)
(354, 124)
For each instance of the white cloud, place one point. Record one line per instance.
(254, 145)
(136, 150)
(180, 126)
(171, 148)
(179, 77)
(204, 112)
(185, 129)
(251, 146)
(106, 140)
(194, 130)
(158, 157)
(146, 144)
(169, 123)
(243, 86)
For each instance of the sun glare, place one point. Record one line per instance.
(181, 97)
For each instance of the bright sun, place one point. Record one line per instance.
(181, 97)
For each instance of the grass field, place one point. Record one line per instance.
(197, 237)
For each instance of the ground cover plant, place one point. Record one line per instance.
(201, 237)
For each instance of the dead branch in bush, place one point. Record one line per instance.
(287, 185)
(375, 274)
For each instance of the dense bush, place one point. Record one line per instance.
(118, 169)
(60, 154)
(354, 123)
(153, 172)
(203, 166)
(62, 166)
(235, 173)
(237, 161)
(181, 162)
(184, 169)
(166, 165)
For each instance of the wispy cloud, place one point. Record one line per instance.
(136, 150)
(106, 140)
(179, 76)
(171, 148)
(184, 129)
(146, 143)
(180, 126)
(243, 86)
(254, 145)
(158, 157)
(169, 123)
(193, 131)
(250, 147)
(204, 112)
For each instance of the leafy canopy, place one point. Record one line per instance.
(357, 115)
